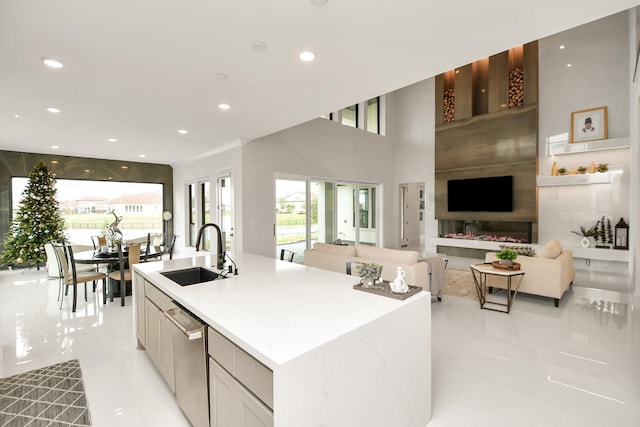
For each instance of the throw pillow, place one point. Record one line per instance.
(521, 250)
(552, 250)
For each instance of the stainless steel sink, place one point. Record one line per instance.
(192, 276)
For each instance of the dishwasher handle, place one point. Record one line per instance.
(190, 327)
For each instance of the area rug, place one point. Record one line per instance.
(52, 396)
(459, 283)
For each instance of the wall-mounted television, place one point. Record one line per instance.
(491, 194)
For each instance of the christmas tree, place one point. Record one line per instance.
(37, 222)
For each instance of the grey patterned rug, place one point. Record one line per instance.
(52, 397)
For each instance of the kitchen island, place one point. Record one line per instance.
(338, 357)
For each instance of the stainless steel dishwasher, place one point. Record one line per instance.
(190, 365)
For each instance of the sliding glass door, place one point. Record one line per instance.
(225, 209)
(322, 211)
(291, 215)
(356, 213)
(313, 210)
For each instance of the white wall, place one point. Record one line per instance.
(599, 76)
(206, 168)
(411, 128)
(319, 149)
(634, 106)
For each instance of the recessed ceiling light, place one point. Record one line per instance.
(124, 167)
(112, 140)
(142, 155)
(183, 131)
(55, 146)
(258, 46)
(457, 71)
(220, 76)
(561, 46)
(52, 63)
(16, 115)
(224, 106)
(55, 162)
(87, 170)
(307, 56)
(568, 65)
(53, 110)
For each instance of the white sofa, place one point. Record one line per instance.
(335, 257)
(547, 274)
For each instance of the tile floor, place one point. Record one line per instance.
(576, 365)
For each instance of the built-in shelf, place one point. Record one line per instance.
(600, 254)
(596, 254)
(585, 179)
(586, 147)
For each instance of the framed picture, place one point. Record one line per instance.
(589, 125)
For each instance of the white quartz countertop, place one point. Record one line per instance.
(274, 310)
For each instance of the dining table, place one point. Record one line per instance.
(111, 258)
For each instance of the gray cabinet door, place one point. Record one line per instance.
(232, 405)
(153, 317)
(165, 361)
(138, 283)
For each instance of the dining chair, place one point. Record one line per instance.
(98, 242)
(287, 255)
(70, 276)
(157, 242)
(171, 245)
(124, 274)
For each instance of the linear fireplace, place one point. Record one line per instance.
(498, 231)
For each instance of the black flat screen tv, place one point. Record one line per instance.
(492, 194)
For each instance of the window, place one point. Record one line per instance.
(87, 206)
(192, 212)
(373, 115)
(350, 116)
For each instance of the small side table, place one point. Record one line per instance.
(480, 273)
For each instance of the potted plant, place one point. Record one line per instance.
(507, 256)
(370, 273)
(562, 171)
(582, 170)
(602, 167)
(586, 234)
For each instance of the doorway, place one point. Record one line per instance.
(411, 215)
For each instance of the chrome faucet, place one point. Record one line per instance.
(221, 253)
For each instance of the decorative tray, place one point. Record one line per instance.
(385, 290)
(514, 267)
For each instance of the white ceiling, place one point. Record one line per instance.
(139, 70)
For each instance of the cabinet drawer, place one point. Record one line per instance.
(222, 350)
(255, 376)
(157, 297)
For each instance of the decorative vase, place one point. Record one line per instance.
(506, 262)
(554, 169)
(585, 243)
(592, 167)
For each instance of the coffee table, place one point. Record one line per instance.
(480, 272)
